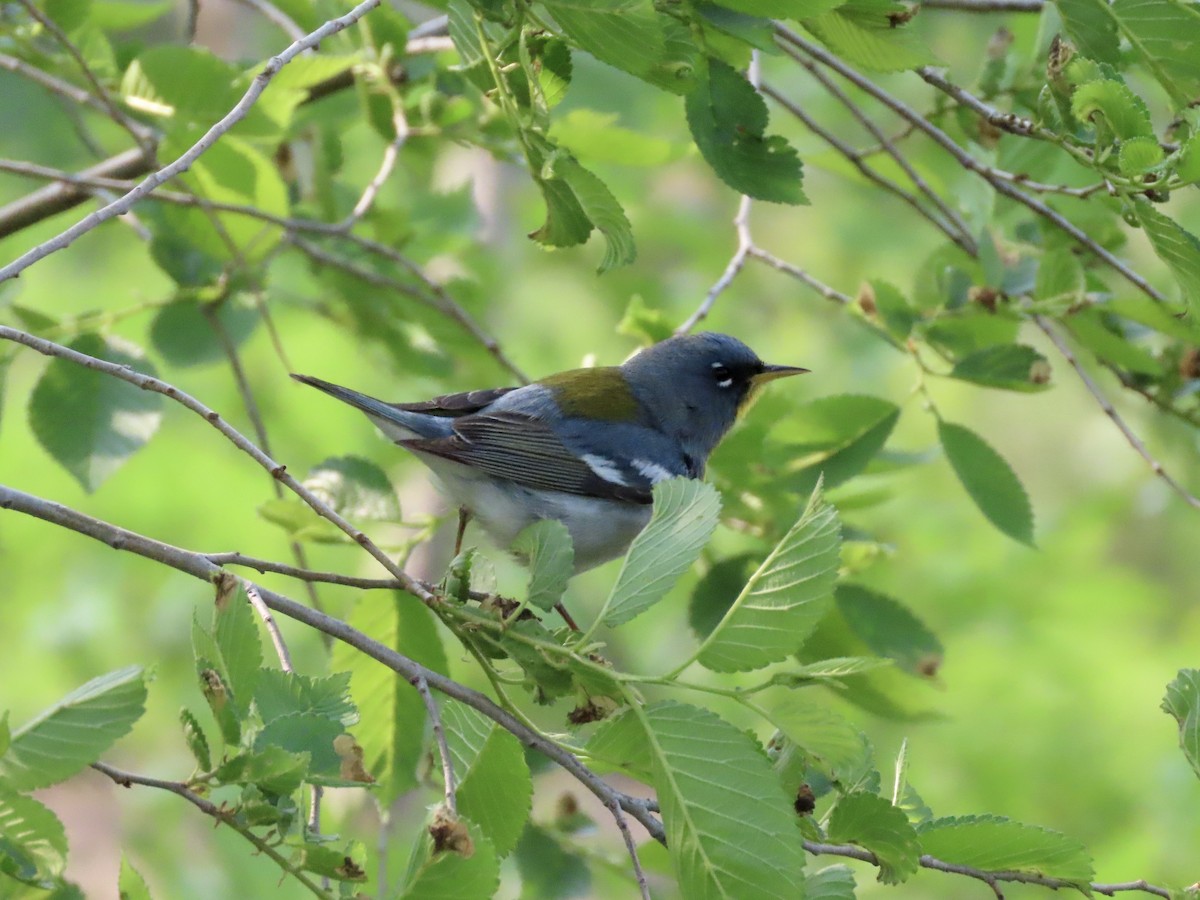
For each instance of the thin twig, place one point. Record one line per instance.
(961, 235)
(185, 161)
(146, 382)
(198, 566)
(791, 42)
(1109, 410)
(222, 816)
(829, 293)
(858, 159)
(277, 641)
(449, 785)
(745, 244)
(631, 847)
(142, 136)
(386, 165)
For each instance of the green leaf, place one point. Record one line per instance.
(187, 83)
(1157, 30)
(730, 828)
(989, 480)
(1090, 25)
(546, 548)
(311, 734)
(728, 121)
(866, 33)
(1012, 367)
(632, 36)
(235, 631)
(1175, 246)
(717, 589)
(494, 787)
(833, 438)
(126, 15)
(184, 336)
(684, 517)
(889, 629)
(197, 742)
(1124, 112)
(280, 693)
(91, 423)
(356, 488)
(341, 863)
(781, 9)
(1104, 336)
(214, 682)
(830, 743)
(600, 207)
(273, 769)
(870, 821)
(33, 842)
(994, 843)
(1059, 276)
(391, 730)
(73, 733)
(130, 884)
(782, 602)
(566, 225)
(830, 883)
(1139, 155)
(1183, 703)
(892, 307)
(444, 874)
(1187, 160)
(549, 870)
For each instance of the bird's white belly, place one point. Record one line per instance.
(600, 529)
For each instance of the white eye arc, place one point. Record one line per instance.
(722, 374)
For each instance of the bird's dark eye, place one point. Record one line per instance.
(722, 374)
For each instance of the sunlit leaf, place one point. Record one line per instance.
(870, 821)
(33, 842)
(869, 34)
(1175, 246)
(994, 843)
(1013, 367)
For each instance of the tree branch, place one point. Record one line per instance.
(449, 785)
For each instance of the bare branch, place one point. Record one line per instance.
(800, 275)
(791, 42)
(184, 162)
(219, 815)
(741, 222)
(142, 136)
(449, 785)
(1109, 410)
(56, 198)
(199, 566)
(390, 155)
(147, 383)
(281, 650)
(631, 847)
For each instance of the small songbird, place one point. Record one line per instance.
(583, 446)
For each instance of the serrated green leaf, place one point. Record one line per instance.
(602, 210)
(1103, 336)
(684, 517)
(235, 631)
(280, 693)
(546, 547)
(782, 602)
(632, 36)
(183, 335)
(717, 589)
(548, 869)
(1187, 160)
(994, 843)
(130, 883)
(197, 742)
(1175, 246)
(494, 787)
(33, 842)
(730, 828)
(355, 488)
(1121, 109)
(392, 726)
(447, 875)
(866, 33)
(890, 629)
(1090, 25)
(989, 481)
(893, 308)
(566, 225)
(72, 733)
(307, 733)
(728, 121)
(870, 821)
(1157, 30)
(828, 740)
(620, 742)
(830, 883)
(345, 862)
(1012, 367)
(214, 682)
(832, 438)
(188, 83)
(1182, 702)
(1139, 155)
(274, 769)
(91, 423)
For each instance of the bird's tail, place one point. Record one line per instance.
(398, 424)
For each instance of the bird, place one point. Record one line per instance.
(584, 446)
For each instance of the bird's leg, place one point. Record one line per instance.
(562, 611)
(464, 516)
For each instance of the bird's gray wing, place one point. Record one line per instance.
(525, 450)
(455, 405)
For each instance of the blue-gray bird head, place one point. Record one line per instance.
(697, 384)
